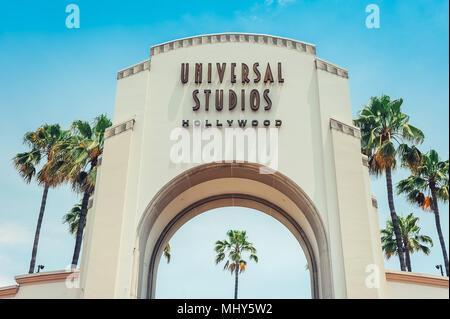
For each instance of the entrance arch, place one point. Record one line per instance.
(136, 198)
(214, 185)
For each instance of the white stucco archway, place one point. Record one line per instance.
(322, 194)
(216, 185)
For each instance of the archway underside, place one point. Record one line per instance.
(219, 185)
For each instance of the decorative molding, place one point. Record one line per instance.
(233, 37)
(365, 160)
(331, 68)
(345, 128)
(374, 202)
(9, 291)
(145, 65)
(41, 277)
(417, 279)
(119, 128)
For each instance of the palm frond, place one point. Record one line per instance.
(410, 232)
(233, 248)
(166, 252)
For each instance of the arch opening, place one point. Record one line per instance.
(215, 185)
(192, 272)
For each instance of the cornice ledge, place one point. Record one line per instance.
(49, 276)
(139, 67)
(8, 291)
(233, 37)
(416, 278)
(119, 128)
(345, 128)
(331, 68)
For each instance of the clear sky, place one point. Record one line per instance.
(54, 74)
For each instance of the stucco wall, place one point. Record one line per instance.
(50, 290)
(44, 285)
(398, 290)
(136, 163)
(408, 285)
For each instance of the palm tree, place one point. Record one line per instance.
(236, 245)
(167, 252)
(382, 124)
(72, 218)
(79, 154)
(428, 184)
(41, 143)
(413, 241)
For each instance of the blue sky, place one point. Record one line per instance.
(54, 74)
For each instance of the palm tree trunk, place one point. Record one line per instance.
(407, 255)
(38, 230)
(236, 281)
(438, 225)
(81, 224)
(394, 219)
(408, 260)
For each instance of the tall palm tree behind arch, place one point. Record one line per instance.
(235, 246)
(383, 124)
(41, 143)
(426, 186)
(79, 154)
(72, 218)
